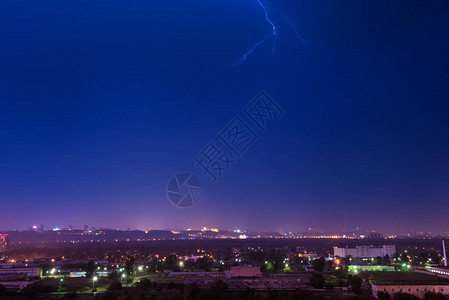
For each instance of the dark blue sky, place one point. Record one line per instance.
(101, 102)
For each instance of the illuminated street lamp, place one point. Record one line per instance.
(60, 284)
(123, 276)
(95, 278)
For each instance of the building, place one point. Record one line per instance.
(15, 286)
(15, 279)
(365, 251)
(3, 242)
(418, 290)
(243, 271)
(270, 282)
(29, 272)
(78, 274)
(439, 271)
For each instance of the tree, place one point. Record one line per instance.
(404, 258)
(386, 260)
(435, 296)
(341, 273)
(31, 291)
(204, 263)
(348, 260)
(219, 286)
(275, 260)
(319, 264)
(45, 269)
(113, 276)
(356, 283)
(383, 296)
(171, 263)
(130, 266)
(191, 291)
(144, 283)
(90, 269)
(379, 260)
(142, 297)
(109, 296)
(404, 296)
(115, 286)
(317, 281)
(329, 285)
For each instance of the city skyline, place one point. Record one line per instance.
(349, 232)
(104, 102)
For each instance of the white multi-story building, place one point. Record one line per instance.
(365, 251)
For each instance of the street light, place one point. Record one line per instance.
(95, 278)
(60, 284)
(123, 276)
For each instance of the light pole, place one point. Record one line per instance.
(95, 278)
(123, 276)
(60, 284)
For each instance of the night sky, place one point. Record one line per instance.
(102, 102)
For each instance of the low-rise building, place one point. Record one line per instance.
(418, 290)
(30, 272)
(243, 271)
(16, 286)
(365, 251)
(439, 271)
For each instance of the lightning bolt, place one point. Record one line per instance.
(293, 26)
(271, 35)
(250, 51)
(274, 34)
